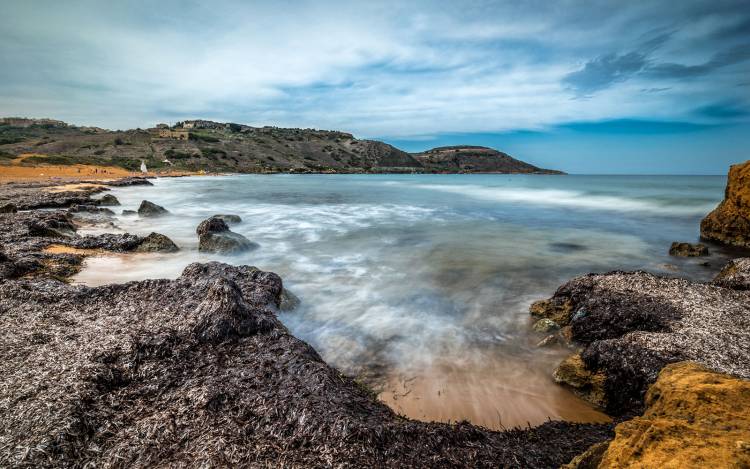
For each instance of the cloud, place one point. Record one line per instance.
(377, 69)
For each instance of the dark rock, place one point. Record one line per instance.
(150, 209)
(635, 323)
(129, 212)
(130, 181)
(289, 301)
(156, 242)
(108, 200)
(8, 208)
(229, 219)
(107, 241)
(54, 224)
(735, 275)
(214, 236)
(90, 209)
(729, 223)
(688, 250)
(204, 361)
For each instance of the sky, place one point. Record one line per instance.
(584, 86)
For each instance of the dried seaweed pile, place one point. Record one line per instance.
(198, 371)
(634, 323)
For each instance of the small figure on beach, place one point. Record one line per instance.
(144, 170)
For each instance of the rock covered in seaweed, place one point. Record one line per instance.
(215, 236)
(729, 223)
(156, 242)
(197, 371)
(688, 249)
(632, 324)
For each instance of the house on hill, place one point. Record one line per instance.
(177, 134)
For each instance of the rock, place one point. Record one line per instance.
(586, 383)
(729, 223)
(115, 242)
(129, 212)
(557, 311)
(211, 225)
(694, 418)
(736, 274)
(637, 322)
(214, 236)
(8, 208)
(150, 209)
(54, 225)
(156, 242)
(229, 219)
(289, 301)
(108, 200)
(130, 181)
(589, 459)
(545, 325)
(688, 250)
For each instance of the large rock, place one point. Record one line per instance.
(53, 224)
(229, 219)
(688, 250)
(215, 236)
(157, 242)
(694, 418)
(199, 372)
(729, 223)
(632, 324)
(150, 209)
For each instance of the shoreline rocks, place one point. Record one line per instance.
(215, 236)
(729, 223)
(156, 242)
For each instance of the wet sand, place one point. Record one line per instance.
(497, 395)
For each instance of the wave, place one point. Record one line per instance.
(568, 198)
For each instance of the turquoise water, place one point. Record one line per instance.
(429, 277)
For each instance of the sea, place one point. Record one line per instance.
(419, 285)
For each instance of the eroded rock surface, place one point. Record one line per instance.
(214, 236)
(736, 274)
(150, 209)
(198, 371)
(729, 223)
(633, 324)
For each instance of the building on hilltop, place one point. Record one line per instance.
(177, 134)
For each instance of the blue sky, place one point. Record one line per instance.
(588, 87)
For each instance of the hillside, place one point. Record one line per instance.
(227, 147)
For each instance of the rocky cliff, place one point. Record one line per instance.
(474, 159)
(729, 223)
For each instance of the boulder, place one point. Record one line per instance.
(729, 223)
(288, 301)
(53, 225)
(688, 250)
(108, 200)
(545, 325)
(156, 242)
(229, 219)
(215, 236)
(8, 208)
(588, 384)
(150, 209)
(735, 275)
(129, 212)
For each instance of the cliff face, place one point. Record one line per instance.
(729, 223)
(475, 159)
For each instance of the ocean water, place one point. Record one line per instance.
(420, 284)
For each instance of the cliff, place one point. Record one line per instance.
(474, 159)
(729, 223)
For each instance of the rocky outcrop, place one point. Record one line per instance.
(688, 250)
(694, 418)
(288, 301)
(199, 372)
(475, 159)
(229, 219)
(150, 209)
(632, 324)
(729, 223)
(156, 242)
(215, 236)
(736, 274)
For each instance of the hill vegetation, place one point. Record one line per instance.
(228, 147)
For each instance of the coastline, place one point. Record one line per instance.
(44, 228)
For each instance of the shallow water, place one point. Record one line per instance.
(420, 284)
